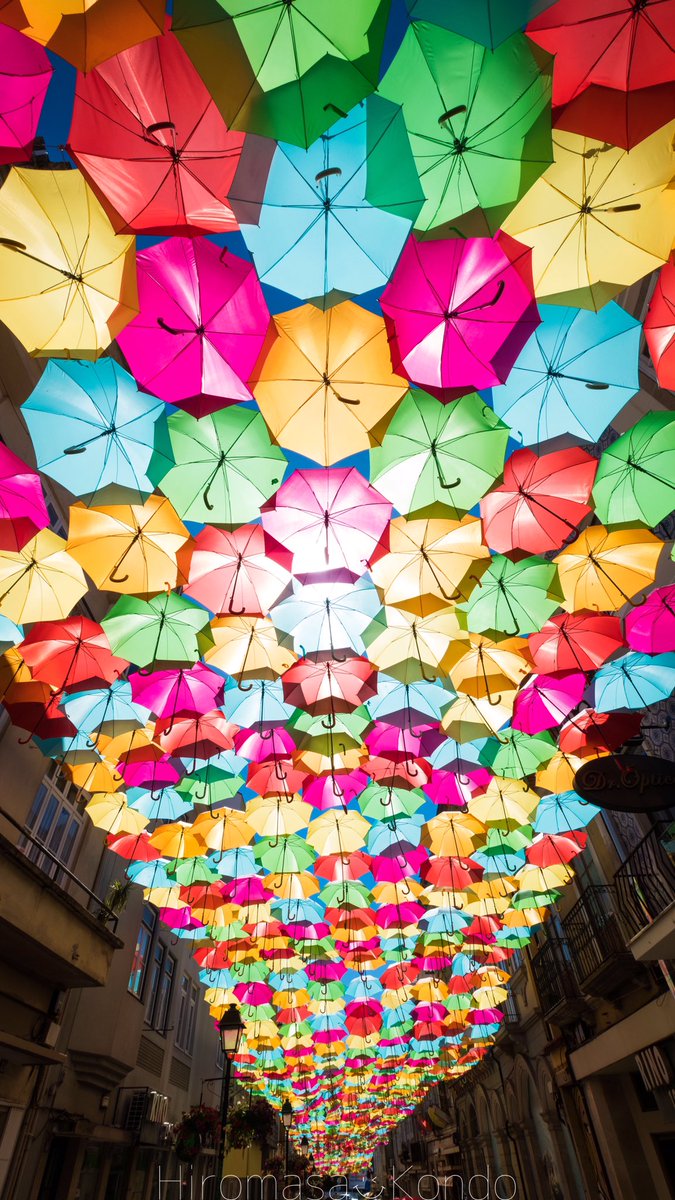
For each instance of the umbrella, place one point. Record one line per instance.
(70, 652)
(589, 730)
(412, 648)
(327, 377)
(328, 616)
(513, 597)
(651, 627)
(201, 325)
(283, 855)
(488, 668)
(129, 548)
(85, 34)
(614, 77)
(542, 500)
(435, 456)
(41, 582)
(427, 561)
(165, 629)
(659, 325)
(516, 754)
(335, 216)
(563, 813)
(247, 648)
(225, 466)
(23, 511)
(261, 706)
(636, 473)
(329, 686)
(489, 22)
(546, 700)
(150, 141)
(95, 433)
(604, 569)
(459, 311)
(479, 122)
(177, 693)
(578, 370)
(634, 681)
(24, 78)
(240, 571)
(596, 219)
(330, 520)
(68, 283)
(285, 71)
(576, 642)
(104, 710)
(408, 704)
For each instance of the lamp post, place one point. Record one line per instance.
(230, 1029)
(286, 1121)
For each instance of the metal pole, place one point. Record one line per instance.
(285, 1151)
(224, 1107)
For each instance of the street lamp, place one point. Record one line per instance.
(230, 1029)
(286, 1121)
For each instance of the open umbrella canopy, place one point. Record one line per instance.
(23, 511)
(636, 474)
(659, 325)
(129, 548)
(167, 629)
(513, 597)
(25, 75)
(487, 21)
(541, 502)
(86, 34)
(605, 569)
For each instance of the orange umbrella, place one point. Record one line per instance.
(129, 548)
(85, 32)
(604, 569)
(427, 562)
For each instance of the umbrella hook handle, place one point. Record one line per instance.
(279, 771)
(642, 599)
(244, 687)
(330, 722)
(117, 578)
(266, 734)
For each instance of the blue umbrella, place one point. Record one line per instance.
(235, 864)
(445, 920)
(111, 707)
(166, 804)
(335, 216)
(328, 616)
(96, 434)
(634, 681)
(576, 372)
(261, 705)
(150, 874)
(408, 704)
(404, 831)
(563, 812)
(361, 988)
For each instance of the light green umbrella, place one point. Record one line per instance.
(281, 855)
(166, 629)
(479, 123)
(514, 597)
(636, 474)
(226, 466)
(514, 754)
(436, 457)
(382, 803)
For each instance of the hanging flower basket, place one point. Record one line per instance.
(198, 1129)
(249, 1123)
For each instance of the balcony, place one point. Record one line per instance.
(559, 995)
(600, 958)
(645, 886)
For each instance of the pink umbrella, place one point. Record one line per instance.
(334, 791)
(23, 511)
(238, 571)
(25, 72)
(455, 790)
(330, 519)
(260, 747)
(546, 700)
(181, 692)
(459, 311)
(651, 627)
(153, 774)
(403, 745)
(201, 326)
(393, 870)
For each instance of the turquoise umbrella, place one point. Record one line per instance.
(634, 681)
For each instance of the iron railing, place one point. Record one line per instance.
(556, 984)
(645, 883)
(596, 939)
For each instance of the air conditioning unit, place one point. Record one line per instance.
(136, 1110)
(158, 1107)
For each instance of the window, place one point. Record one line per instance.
(187, 1013)
(141, 954)
(160, 983)
(55, 819)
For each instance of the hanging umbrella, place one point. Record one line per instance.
(327, 377)
(331, 520)
(283, 855)
(244, 570)
(489, 22)
(546, 700)
(588, 730)
(326, 686)
(165, 629)
(225, 466)
(636, 474)
(328, 616)
(129, 548)
(471, 718)
(514, 597)
(651, 627)
(435, 457)
(201, 325)
(70, 652)
(149, 139)
(597, 218)
(479, 122)
(659, 325)
(285, 71)
(260, 707)
(614, 75)
(578, 370)
(427, 562)
(604, 569)
(24, 78)
(335, 217)
(576, 642)
(489, 668)
(68, 283)
(41, 582)
(247, 648)
(459, 311)
(542, 500)
(104, 710)
(517, 754)
(634, 681)
(413, 648)
(23, 511)
(178, 693)
(95, 433)
(408, 704)
(85, 34)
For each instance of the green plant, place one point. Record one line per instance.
(249, 1123)
(197, 1128)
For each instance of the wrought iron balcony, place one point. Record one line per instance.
(559, 994)
(597, 944)
(645, 882)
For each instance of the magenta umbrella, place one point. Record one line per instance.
(454, 789)
(25, 72)
(335, 791)
(201, 325)
(23, 511)
(263, 746)
(651, 627)
(458, 312)
(546, 700)
(331, 520)
(183, 692)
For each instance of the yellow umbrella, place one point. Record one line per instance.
(274, 816)
(338, 832)
(605, 568)
(327, 381)
(427, 561)
(129, 548)
(67, 280)
(94, 777)
(599, 218)
(85, 32)
(490, 997)
(223, 829)
(453, 835)
(178, 840)
(110, 812)
(413, 648)
(469, 717)
(434, 991)
(505, 804)
(544, 879)
(41, 582)
(248, 648)
(490, 669)
(293, 886)
(397, 893)
(317, 763)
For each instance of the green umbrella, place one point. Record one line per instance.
(436, 457)
(288, 69)
(636, 474)
(514, 754)
(166, 629)
(328, 990)
(501, 841)
(383, 803)
(513, 597)
(210, 785)
(524, 900)
(192, 870)
(479, 123)
(313, 733)
(346, 892)
(284, 855)
(226, 466)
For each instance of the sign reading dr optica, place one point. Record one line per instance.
(627, 783)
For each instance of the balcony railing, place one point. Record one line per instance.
(596, 940)
(557, 987)
(645, 883)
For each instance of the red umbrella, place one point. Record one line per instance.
(279, 777)
(329, 686)
(590, 730)
(575, 642)
(451, 874)
(133, 846)
(71, 653)
(614, 75)
(23, 511)
(152, 144)
(237, 572)
(340, 867)
(196, 737)
(541, 502)
(34, 707)
(660, 325)
(551, 849)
